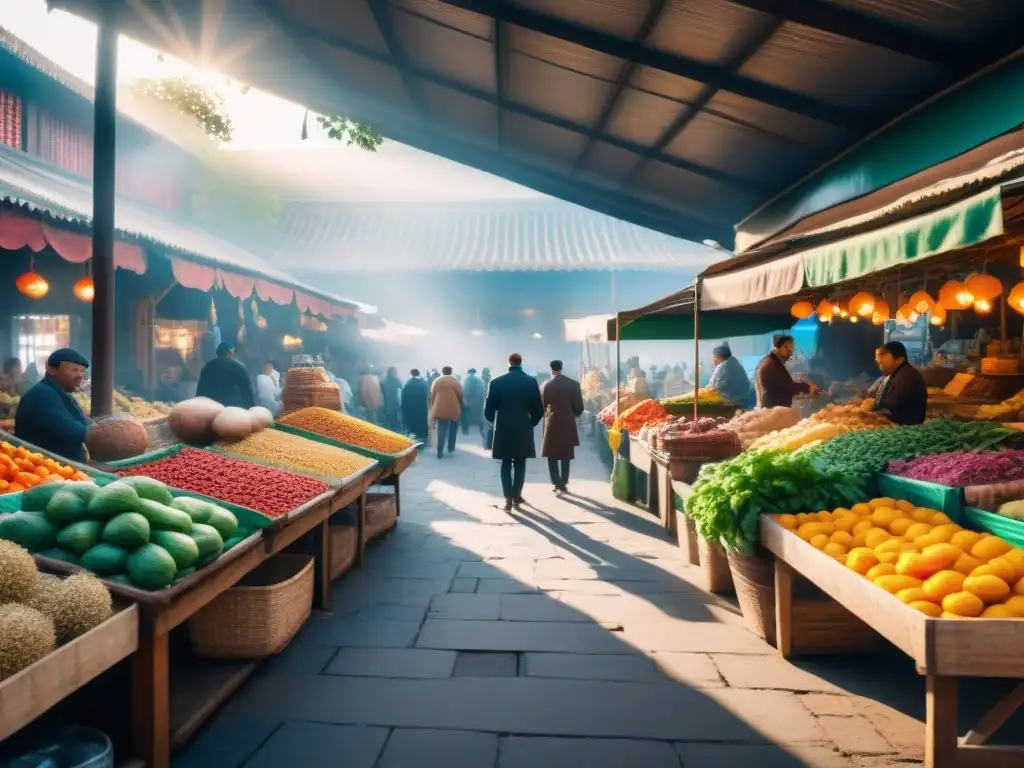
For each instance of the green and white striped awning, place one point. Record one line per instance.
(958, 225)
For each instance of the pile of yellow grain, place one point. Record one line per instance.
(346, 429)
(297, 454)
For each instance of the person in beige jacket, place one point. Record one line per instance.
(446, 409)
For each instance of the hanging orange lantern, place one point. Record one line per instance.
(84, 289)
(982, 306)
(32, 285)
(802, 310)
(1022, 256)
(938, 316)
(825, 311)
(854, 318)
(903, 314)
(921, 302)
(983, 286)
(1016, 298)
(881, 313)
(862, 304)
(954, 295)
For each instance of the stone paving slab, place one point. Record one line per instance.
(519, 636)
(412, 748)
(769, 672)
(734, 756)
(532, 706)
(526, 752)
(227, 743)
(367, 634)
(504, 587)
(468, 607)
(693, 637)
(392, 662)
(315, 744)
(635, 668)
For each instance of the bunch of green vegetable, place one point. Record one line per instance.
(862, 454)
(730, 496)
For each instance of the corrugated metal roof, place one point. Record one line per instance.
(30, 183)
(605, 103)
(493, 236)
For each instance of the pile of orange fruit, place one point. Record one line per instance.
(20, 469)
(921, 556)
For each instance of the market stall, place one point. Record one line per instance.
(274, 504)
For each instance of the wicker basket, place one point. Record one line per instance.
(310, 387)
(754, 578)
(714, 563)
(381, 514)
(260, 615)
(344, 547)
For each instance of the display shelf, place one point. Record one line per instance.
(942, 649)
(30, 693)
(199, 688)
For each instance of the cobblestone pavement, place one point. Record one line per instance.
(568, 634)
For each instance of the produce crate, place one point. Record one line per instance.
(259, 616)
(333, 480)
(942, 649)
(386, 460)
(91, 471)
(159, 596)
(941, 497)
(1003, 527)
(28, 694)
(247, 518)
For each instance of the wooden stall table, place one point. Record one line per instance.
(30, 693)
(391, 474)
(662, 480)
(642, 459)
(942, 649)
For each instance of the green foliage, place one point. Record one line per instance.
(730, 496)
(205, 106)
(341, 128)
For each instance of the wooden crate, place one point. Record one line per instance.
(942, 649)
(37, 688)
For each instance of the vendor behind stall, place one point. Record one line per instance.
(729, 379)
(48, 416)
(226, 379)
(904, 393)
(774, 386)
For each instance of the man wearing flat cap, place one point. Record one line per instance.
(226, 379)
(729, 379)
(48, 416)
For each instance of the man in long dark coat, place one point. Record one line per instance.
(391, 389)
(415, 395)
(513, 405)
(563, 404)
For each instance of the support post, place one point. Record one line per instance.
(618, 365)
(103, 189)
(696, 350)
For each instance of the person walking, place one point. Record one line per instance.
(473, 401)
(514, 407)
(563, 404)
(446, 409)
(391, 390)
(371, 398)
(415, 405)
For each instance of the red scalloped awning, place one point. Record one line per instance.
(278, 294)
(18, 231)
(192, 275)
(239, 286)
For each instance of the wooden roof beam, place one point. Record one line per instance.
(854, 25)
(651, 19)
(700, 71)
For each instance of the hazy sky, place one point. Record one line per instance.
(263, 121)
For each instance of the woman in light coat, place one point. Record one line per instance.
(446, 409)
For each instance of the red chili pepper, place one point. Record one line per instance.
(274, 492)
